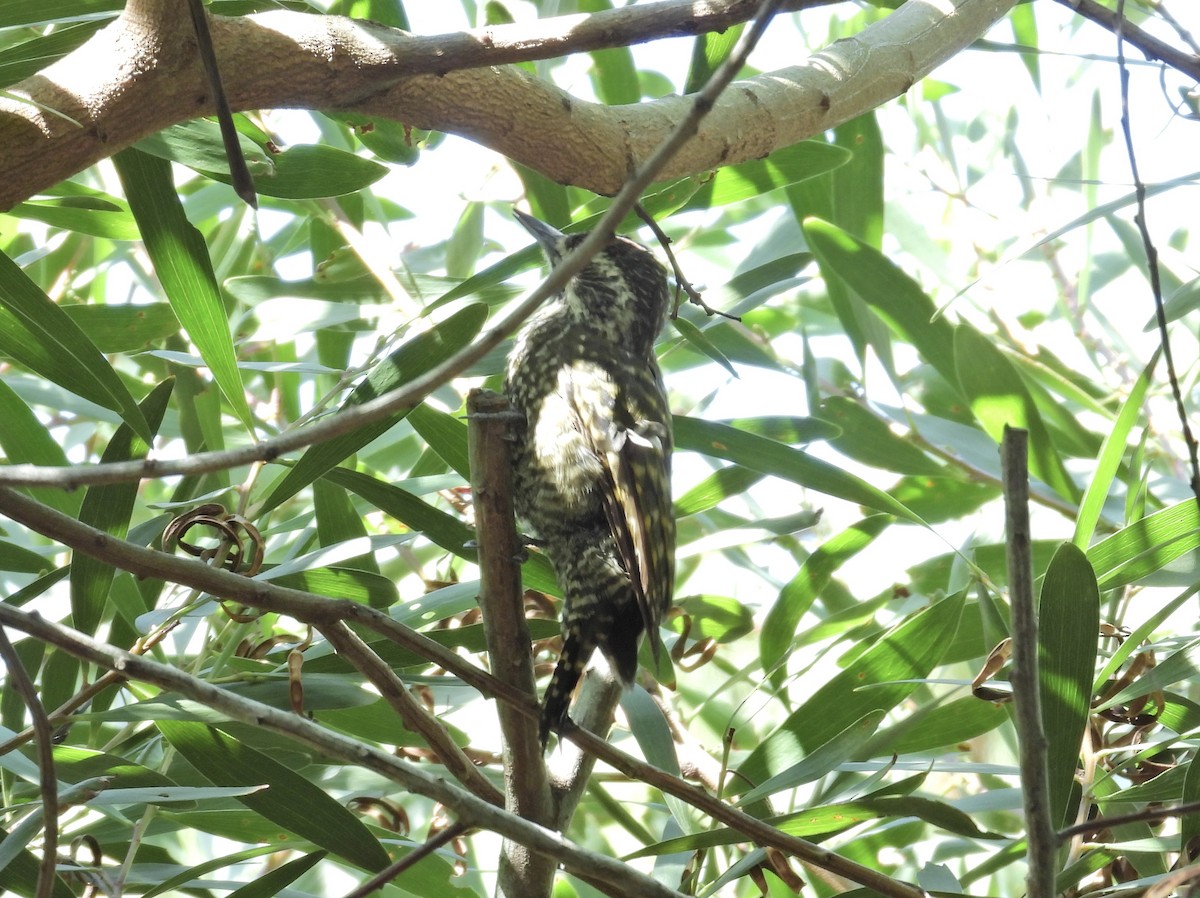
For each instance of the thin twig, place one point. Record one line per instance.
(1154, 48)
(1149, 815)
(468, 809)
(1035, 783)
(410, 712)
(422, 851)
(239, 174)
(47, 781)
(1160, 311)
(318, 610)
(63, 712)
(680, 280)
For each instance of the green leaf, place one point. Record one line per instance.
(1147, 545)
(1109, 462)
(184, 268)
(198, 145)
(302, 172)
(715, 489)
(1183, 664)
(108, 507)
(445, 434)
(779, 627)
(867, 438)
(547, 199)
(466, 242)
(84, 215)
(999, 399)
(19, 61)
(21, 560)
(613, 72)
(932, 727)
(196, 872)
(857, 192)
(276, 879)
(407, 363)
(289, 801)
(338, 522)
(894, 296)
(1189, 824)
(1068, 631)
(877, 679)
(20, 874)
(715, 617)
(695, 337)
(38, 334)
(798, 162)
(833, 818)
(708, 52)
(125, 328)
(770, 457)
(25, 440)
(365, 587)
(838, 750)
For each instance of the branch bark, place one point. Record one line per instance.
(526, 793)
(469, 809)
(1039, 831)
(129, 81)
(317, 610)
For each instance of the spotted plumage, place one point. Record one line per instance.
(592, 456)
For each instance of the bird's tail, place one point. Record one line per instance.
(576, 652)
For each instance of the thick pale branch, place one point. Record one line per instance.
(128, 82)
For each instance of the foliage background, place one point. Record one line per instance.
(963, 258)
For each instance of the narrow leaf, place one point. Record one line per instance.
(39, 335)
(25, 440)
(1147, 545)
(1068, 632)
(108, 507)
(184, 269)
(999, 399)
(894, 296)
(410, 361)
(1109, 461)
(770, 457)
(445, 434)
(841, 748)
(797, 596)
(878, 679)
(290, 801)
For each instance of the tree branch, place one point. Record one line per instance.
(1035, 788)
(469, 809)
(318, 611)
(124, 84)
(416, 718)
(1152, 47)
(526, 792)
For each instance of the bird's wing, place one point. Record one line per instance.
(634, 454)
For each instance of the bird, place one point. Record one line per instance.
(591, 456)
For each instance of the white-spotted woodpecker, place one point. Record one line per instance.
(592, 456)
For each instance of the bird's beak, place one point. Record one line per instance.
(547, 237)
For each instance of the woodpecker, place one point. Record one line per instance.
(592, 456)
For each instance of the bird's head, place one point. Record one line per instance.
(622, 291)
